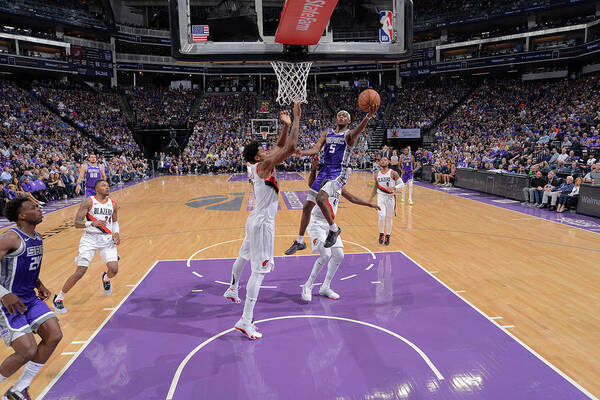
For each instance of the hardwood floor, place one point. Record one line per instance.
(539, 276)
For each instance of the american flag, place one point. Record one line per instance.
(200, 33)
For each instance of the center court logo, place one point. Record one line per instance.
(219, 202)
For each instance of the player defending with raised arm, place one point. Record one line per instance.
(93, 172)
(23, 310)
(97, 215)
(386, 182)
(408, 160)
(260, 225)
(338, 144)
(317, 230)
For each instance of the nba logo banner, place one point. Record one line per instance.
(386, 32)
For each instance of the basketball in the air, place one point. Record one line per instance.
(367, 98)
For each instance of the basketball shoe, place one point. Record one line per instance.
(327, 292)
(248, 329)
(106, 285)
(12, 394)
(295, 247)
(232, 294)
(306, 293)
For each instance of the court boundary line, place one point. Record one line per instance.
(516, 339)
(188, 357)
(456, 293)
(91, 338)
(502, 208)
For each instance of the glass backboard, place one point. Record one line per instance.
(266, 30)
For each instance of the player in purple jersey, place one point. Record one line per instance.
(93, 172)
(338, 145)
(23, 310)
(407, 162)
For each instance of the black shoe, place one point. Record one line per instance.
(59, 307)
(544, 205)
(295, 247)
(332, 238)
(12, 394)
(387, 240)
(106, 285)
(552, 208)
(381, 238)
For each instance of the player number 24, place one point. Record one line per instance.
(35, 263)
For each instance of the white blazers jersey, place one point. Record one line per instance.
(100, 212)
(334, 201)
(266, 192)
(385, 183)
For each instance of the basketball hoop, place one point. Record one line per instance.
(292, 81)
(264, 134)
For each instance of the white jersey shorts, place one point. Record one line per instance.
(91, 243)
(318, 230)
(387, 205)
(258, 245)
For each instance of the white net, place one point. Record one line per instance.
(292, 81)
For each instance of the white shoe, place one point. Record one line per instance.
(402, 200)
(232, 294)
(306, 293)
(410, 202)
(247, 329)
(327, 292)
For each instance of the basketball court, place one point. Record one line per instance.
(455, 307)
(473, 298)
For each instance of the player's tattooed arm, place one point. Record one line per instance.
(80, 221)
(287, 122)
(316, 149)
(354, 133)
(357, 200)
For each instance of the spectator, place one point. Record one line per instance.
(571, 197)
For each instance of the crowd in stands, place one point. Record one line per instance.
(97, 112)
(419, 105)
(524, 127)
(161, 107)
(40, 155)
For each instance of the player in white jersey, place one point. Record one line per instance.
(97, 215)
(317, 229)
(385, 185)
(260, 225)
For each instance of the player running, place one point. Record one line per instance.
(260, 225)
(338, 145)
(317, 230)
(23, 310)
(98, 216)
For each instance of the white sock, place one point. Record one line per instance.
(300, 239)
(332, 267)
(381, 224)
(252, 295)
(333, 227)
(319, 262)
(236, 271)
(388, 222)
(410, 188)
(61, 295)
(105, 277)
(2, 378)
(30, 371)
